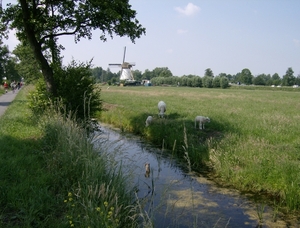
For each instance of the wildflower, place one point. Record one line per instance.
(105, 203)
(65, 201)
(98, 208)
(69, 194)
(70, 199)
(112, 208)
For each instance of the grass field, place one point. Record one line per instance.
(251, 143)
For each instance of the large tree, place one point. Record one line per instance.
(246, 76)
(4, 57)
(40, 22)
(162, 72)
(289, 78)
(27, 65)
(209, 73)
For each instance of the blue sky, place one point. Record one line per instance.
(191, 36)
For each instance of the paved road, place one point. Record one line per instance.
(5, 100)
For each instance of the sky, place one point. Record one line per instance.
(189, 37)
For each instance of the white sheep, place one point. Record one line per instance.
(201, 120)
(149, 120)
(162, 107)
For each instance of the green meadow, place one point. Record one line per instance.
(252, 142)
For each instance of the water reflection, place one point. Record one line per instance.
(174, 198)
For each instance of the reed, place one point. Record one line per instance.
(251, 142)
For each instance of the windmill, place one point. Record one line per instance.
(126, 74)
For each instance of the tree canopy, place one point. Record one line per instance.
(40, 22)
(289, 78)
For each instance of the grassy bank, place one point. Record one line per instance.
(51, 176)
(252, 142)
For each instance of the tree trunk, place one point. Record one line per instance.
(47, 71)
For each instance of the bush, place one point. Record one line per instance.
(76, 91)
(216, 82)
(207, 81)
(224, 82)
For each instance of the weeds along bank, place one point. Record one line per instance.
(51, 176)
(251, 142)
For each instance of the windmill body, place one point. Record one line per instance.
(126, 73)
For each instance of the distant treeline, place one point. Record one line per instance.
(163, 76)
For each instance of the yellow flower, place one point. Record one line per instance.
(65, 201)
(72, 225)
(98, 208)
(105, 204)
(69, 194)
(70, 199)
(112, 208)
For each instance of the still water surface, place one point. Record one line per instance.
(173, 197)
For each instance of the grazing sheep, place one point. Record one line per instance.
(202, 120)
(149, 120)
(147, 169)
(162, 107)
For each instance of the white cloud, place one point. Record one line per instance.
(189, 10)
(181, 31)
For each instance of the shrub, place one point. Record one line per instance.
(216, 82)
(224, 83)
(76, 91)
(207, 81)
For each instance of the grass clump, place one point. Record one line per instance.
(52, 176)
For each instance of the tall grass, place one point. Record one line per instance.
(52, 176)
(252, 142)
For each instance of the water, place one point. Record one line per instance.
(172, 197)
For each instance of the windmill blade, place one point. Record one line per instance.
(115, 65)
(124, 54)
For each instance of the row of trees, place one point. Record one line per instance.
(21, 63)
(192, 81)
(162, 75)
